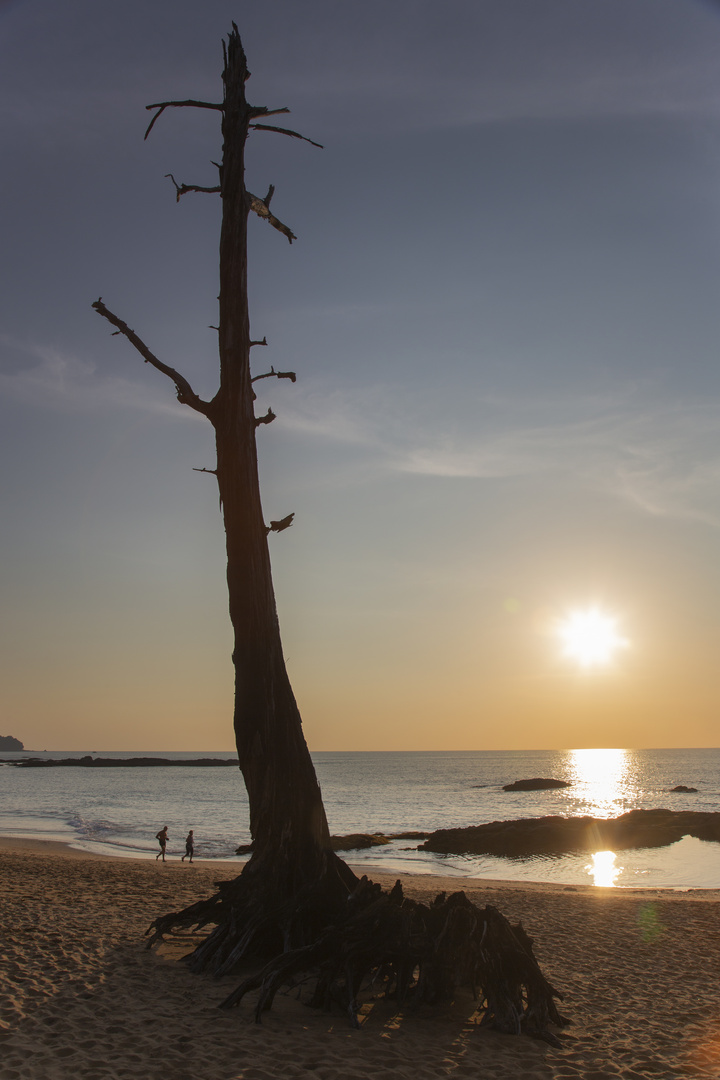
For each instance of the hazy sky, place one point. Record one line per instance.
(504, 311)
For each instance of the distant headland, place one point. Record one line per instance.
(9, 742)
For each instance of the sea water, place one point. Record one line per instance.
(118, 810)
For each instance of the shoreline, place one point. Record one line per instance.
(118, 815)
(444, 882)
(80, 996)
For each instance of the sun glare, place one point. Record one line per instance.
(604, 869)
(590, 637)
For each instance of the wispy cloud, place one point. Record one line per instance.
(663, 458)
(43, 376)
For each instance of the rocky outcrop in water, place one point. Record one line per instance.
(89, 762)
(536, 783)
(562, 835)
(356, 841)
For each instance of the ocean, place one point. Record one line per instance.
(117, 811)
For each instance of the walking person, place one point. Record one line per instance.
(162, 839)
(189, 846)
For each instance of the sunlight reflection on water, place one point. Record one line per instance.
(602, 780)
(603, 869)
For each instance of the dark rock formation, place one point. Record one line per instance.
(9, 742)
(118, 763)
(409, 836)
(355, 841)
(560, 835)
(536, 783)
(684, 790)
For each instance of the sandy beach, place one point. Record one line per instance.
(81, 997)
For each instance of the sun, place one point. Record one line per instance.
(590, 637)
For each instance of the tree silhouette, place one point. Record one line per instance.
(296, 901)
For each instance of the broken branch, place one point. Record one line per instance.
(279, 526)
(261, 208)
(266, 419)
(185, 393)
(286, 131)
(182, 189)
(161, 106)
(260, 110)
(272, 373)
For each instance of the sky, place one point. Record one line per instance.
(503, 308)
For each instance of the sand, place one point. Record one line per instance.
(80, 997)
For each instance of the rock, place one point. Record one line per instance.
(351, 842)
(355, 841)
(685, 790)
(89, 762)
(537, 783)
(558, 835)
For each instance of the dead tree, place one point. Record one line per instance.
(295, 899)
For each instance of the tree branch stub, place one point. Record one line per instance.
(272, 373)
(282, 524)
(261, 110)
(266, 419)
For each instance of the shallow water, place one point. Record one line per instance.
(118, 811)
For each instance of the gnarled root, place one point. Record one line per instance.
(414, 952)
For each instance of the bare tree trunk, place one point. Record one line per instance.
(287, 817)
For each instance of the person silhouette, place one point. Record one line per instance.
(189, 846)
(162, 839)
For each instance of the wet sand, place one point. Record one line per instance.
(80, 997)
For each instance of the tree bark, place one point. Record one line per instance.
(287, 818)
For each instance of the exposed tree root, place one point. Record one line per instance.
(413, 952)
